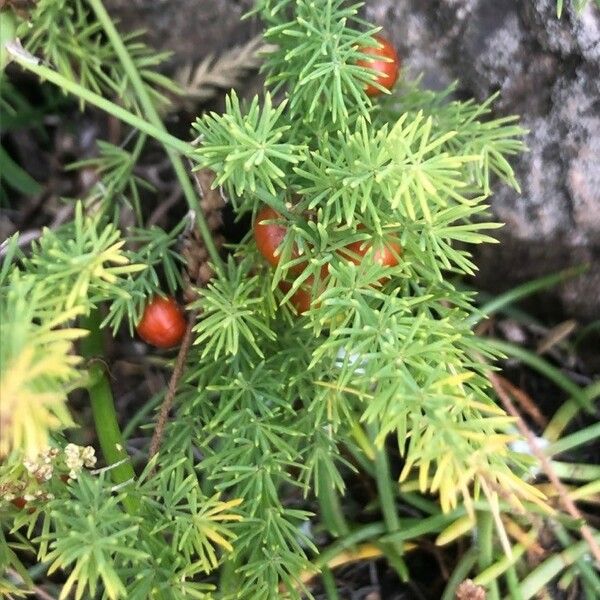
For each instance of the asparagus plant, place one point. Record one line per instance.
(344, 342)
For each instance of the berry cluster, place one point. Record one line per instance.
(269, 226)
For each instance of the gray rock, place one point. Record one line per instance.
(573, 35)
(547, 70)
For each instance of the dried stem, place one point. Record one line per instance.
(165, 408)
(562, 491)
(525, 401)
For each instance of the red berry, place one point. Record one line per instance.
(19, 502)
(269, 236)
(387, 70)
(301, 299)
(385, 255)
(162, 324)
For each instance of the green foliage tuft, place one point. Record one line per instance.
(232, 312)
(247, 150)
(274, 410)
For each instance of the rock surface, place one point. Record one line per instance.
(547, 70)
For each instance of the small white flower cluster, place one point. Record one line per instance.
(14, 491)
(38, 495)
(10, 491)
(42, 468)
(77, 457)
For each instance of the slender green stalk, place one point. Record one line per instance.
(152, 115)
(586, 491)
(418, 501)
(329, 584)
(426, 526)
(576, 471)
(363, 463)
(396, 561)
(385, 487)
(362, 534)
(493, 572)
(561, 419)
(331, 509)
(107, 106)
(460, 573)
(173, 145)
(587, 572)
(228, 578)
(524, 290)
(512, 583)
(574, 440)
(103, 408)
(485, 536)
(550, 568)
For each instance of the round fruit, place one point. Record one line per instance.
(385, 255)
(19, 502)
(387, 70)
(300, 299)
(269, 236)
(162, 324)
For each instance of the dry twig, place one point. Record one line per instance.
(525, 402)
(563, 493)
(198, 271)
(167, 403)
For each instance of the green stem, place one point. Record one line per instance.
(331, 509)
(574, 440)
(550, 568)
(493, 572)
(425, 526)
(107, 106)
(152, 115)
(568, 411)
(385, 487)
(576, 471)
(587, 571)
(173, 145)
(103, 409)
(512, 584)
(228, 578)
(522, 291)
(485, 535)
(329, 584)
(367, 532)
(460, 573)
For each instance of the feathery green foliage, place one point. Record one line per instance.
(74, 43)
(274, 409)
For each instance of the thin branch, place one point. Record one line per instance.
(165, 408)
(525, 401)
(562, 491)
